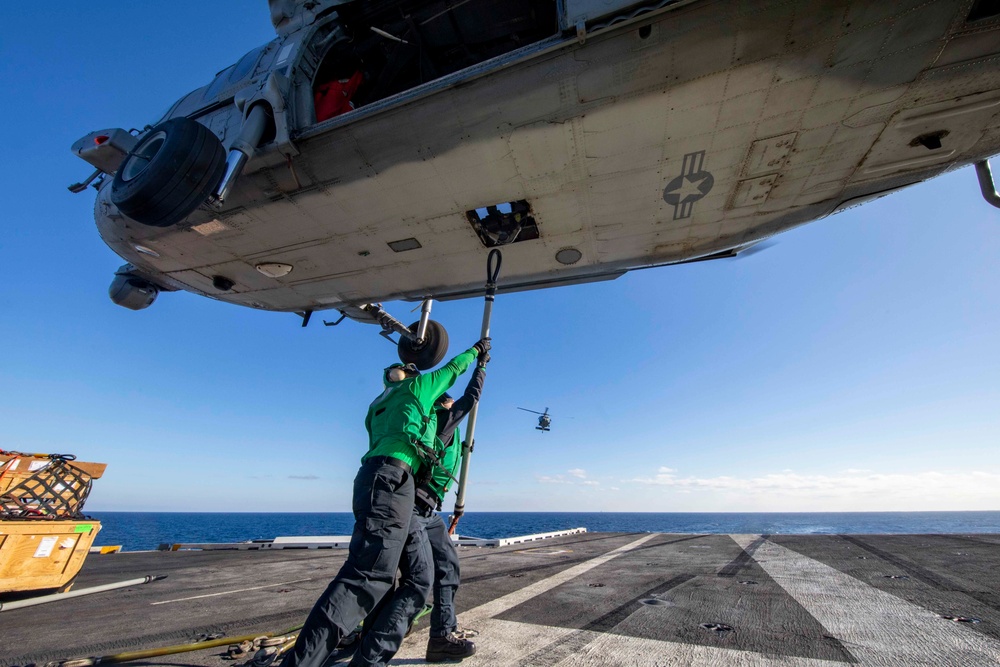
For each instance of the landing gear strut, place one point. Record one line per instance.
(424, 343)
(986, 184)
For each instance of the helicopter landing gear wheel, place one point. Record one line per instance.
(430, 352)
(169, 173)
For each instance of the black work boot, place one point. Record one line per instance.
(450, 647)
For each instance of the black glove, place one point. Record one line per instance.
(483, 359)
(483, 346)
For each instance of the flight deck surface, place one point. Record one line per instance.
(584, 599)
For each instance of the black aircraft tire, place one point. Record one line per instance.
(171, 171)
(432, 351)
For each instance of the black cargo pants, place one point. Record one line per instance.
(384, 634)
(446, 576)
(383, 505)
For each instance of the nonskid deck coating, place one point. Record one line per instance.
(591, 599)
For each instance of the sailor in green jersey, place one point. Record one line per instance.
(401, 428)
(422, 559)
(401, 422)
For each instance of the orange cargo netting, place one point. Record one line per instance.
(56, 490)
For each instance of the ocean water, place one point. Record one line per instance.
(138, 531)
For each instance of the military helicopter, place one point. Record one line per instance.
(544, 419)
(372, 151)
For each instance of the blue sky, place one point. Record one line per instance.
(851, 366)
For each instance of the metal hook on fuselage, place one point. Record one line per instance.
(986, 183)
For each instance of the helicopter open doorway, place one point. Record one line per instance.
(544, 419)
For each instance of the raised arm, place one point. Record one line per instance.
(429, 386)
(472, 393)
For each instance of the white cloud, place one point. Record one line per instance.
(552, 479)
(576, 476)
(852, 489)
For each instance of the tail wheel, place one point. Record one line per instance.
(430, 352)
(171, 171)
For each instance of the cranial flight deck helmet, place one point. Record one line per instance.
(397, 372)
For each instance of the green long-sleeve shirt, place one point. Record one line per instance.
(404, 413)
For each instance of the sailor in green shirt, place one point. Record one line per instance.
(401, 423)
(401, 426)
(429, 553)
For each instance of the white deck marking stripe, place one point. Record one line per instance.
(876, 627)
(611, 650)
(504, 642)
(511, 600)
(239, 590)
(508, 642)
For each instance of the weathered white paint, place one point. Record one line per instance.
(511, 600)
(877, 627)
(510, 641)
(617, 650)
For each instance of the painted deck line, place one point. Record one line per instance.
(622, 651)
(510, 641)
(515, 644)
(511, 600)
(876, 627)
(239, 590)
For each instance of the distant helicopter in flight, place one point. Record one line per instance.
(544, 419)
